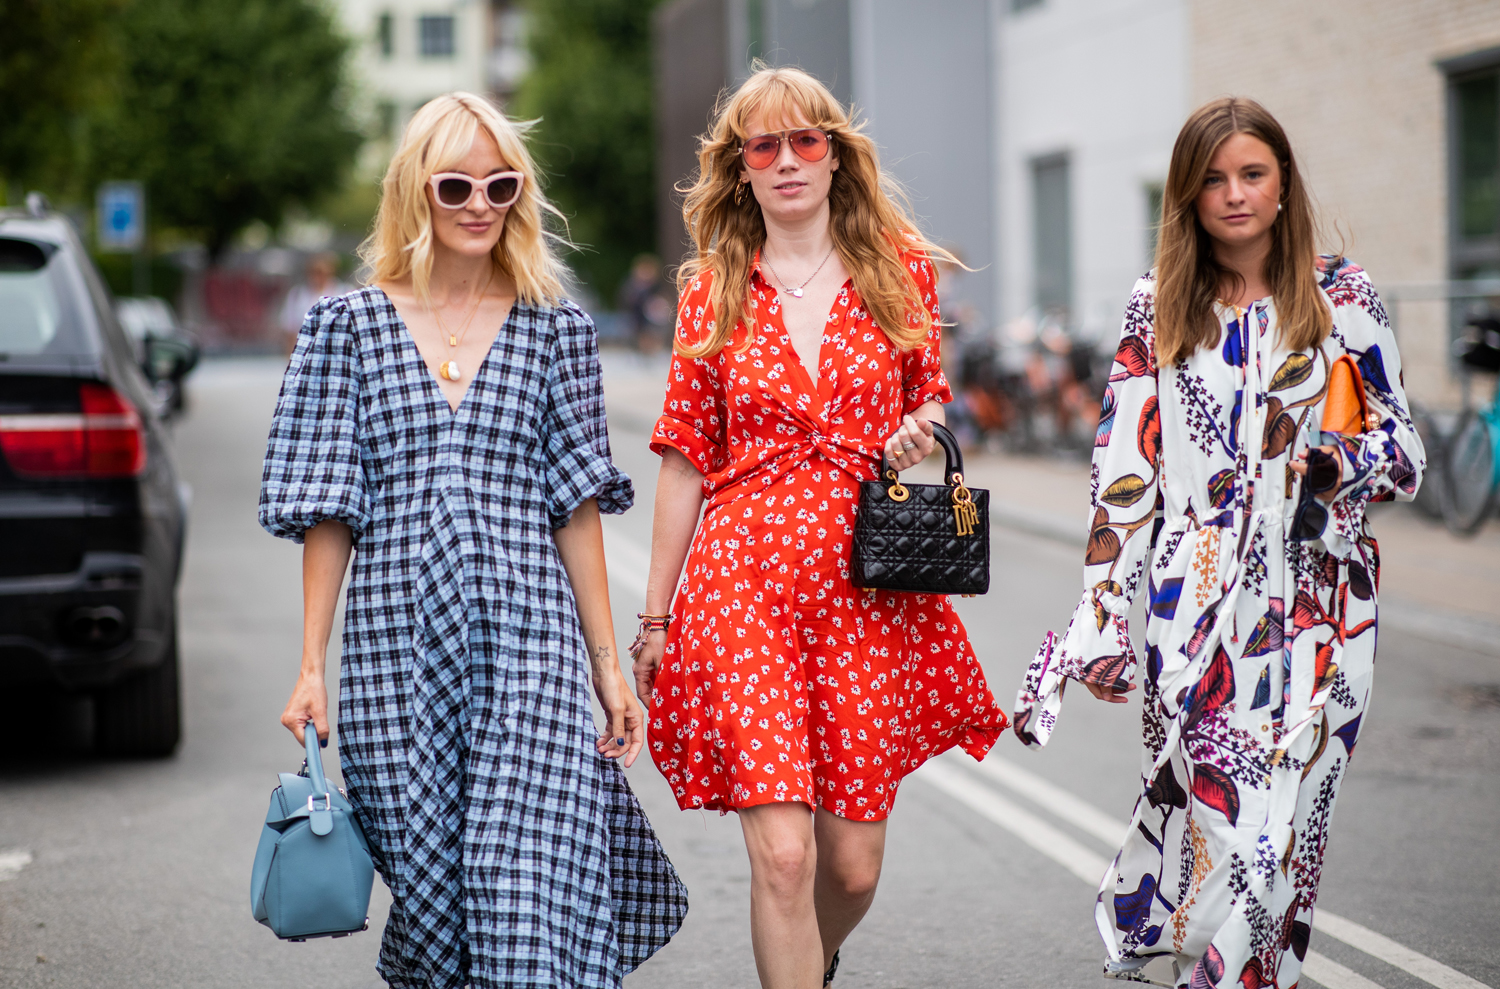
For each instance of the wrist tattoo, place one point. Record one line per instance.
(602, 655)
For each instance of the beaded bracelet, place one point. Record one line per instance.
(649, 624)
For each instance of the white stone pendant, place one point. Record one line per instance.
(796, 292)
(449, 370)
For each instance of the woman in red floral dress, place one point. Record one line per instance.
(778, 688)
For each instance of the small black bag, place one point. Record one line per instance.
(929, 538)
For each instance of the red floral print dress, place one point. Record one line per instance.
(781, 680)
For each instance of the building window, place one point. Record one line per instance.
(1052, 234)
(1153, 221)
(385, 35)
(436, 32)
(1473, 178)
(1477, 174)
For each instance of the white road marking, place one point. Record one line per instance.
(1089, 819)
(1327, 972)
(1080, 813)
(1063, 849)
(1429, 970)
(628, 564)
(1050, 841)
(12, 862)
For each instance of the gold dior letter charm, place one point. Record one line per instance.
(965, 515)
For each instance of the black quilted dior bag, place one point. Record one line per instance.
(930, 538)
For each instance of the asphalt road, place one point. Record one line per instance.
(118, 873)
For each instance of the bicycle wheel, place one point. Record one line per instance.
(1469, 482)
(1429, 499)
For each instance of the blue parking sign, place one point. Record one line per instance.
(122, 216)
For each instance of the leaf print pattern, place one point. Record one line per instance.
(1255, 646)
(781, 680)
(1296, 369)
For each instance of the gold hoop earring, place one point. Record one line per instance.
(739, 194)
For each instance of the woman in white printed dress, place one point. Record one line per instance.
(1260, 632)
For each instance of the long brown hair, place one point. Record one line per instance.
(869, 225)
(1188, 278)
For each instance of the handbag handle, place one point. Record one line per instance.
(953, 469)
(314, 759)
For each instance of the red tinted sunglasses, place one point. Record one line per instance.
(453, 190)
(809, 144)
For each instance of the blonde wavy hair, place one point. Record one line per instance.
(1189, 278)
(436, 139)
(869, 221)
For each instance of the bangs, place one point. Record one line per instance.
(452, 134)
(449, 138)
(784, 98)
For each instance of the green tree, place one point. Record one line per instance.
(590, 84)
(56, 59)
(229, 112)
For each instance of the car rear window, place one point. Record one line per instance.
(39, 303)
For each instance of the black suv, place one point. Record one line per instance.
(91, 511)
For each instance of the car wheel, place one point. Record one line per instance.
(142, 716)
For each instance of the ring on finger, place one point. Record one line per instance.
(908, 446)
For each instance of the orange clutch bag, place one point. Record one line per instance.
(1346, 410)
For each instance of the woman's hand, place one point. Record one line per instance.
(1298, 465)
(309, 703)
(627, 721)
(909, 445)
(647, 663)
(1108, 694)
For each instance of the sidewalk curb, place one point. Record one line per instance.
(1445, 627)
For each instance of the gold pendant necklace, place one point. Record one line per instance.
(448, 370)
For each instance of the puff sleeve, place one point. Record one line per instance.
(315, 466)
(922, 378)
(574, 427)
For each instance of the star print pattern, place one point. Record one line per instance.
(781, 680)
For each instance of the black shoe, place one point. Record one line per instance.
(832, 968)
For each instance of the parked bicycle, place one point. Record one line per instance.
(1471, 462)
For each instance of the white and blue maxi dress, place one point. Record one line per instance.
(516, 855)
(1260, 633)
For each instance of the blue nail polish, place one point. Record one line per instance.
(619, 741)
(323, 743)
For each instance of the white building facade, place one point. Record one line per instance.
(408, 51)
(1091, 94)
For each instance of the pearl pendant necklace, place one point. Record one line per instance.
(449, 370)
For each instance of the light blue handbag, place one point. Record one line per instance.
(313, 871)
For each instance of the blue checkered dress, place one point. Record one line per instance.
(516, 855)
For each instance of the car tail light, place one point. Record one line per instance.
(106, 440)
